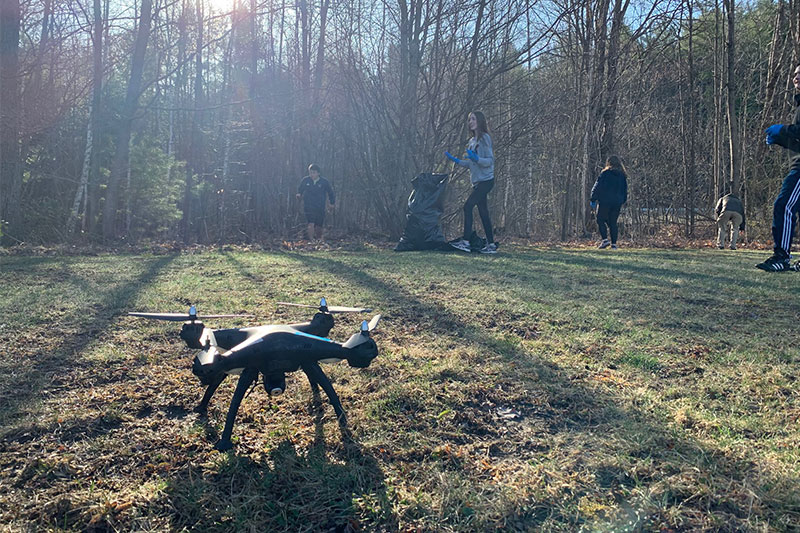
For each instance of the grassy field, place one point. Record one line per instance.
(544, 389)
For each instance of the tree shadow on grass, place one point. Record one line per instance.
(652, 475)
(654, 275)
(50, 368)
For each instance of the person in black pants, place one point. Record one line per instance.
(480, 162)
(784, 211)
(609, 192)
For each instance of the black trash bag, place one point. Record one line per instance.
(425, 206)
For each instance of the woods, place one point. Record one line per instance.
(194, 120)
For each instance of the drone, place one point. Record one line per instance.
(270, 351)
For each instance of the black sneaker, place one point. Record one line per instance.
(775, 264)
(795, 267)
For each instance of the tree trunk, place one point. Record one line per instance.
(81, 195)
(733, 130)
(596, 35)
(193, 164)
(610, 109)
(120, 162)
(10, 164)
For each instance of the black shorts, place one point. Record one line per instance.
(315, 217)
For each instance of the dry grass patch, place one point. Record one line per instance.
(539, 390)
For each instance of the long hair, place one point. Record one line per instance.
(614, 162)
(483, 127)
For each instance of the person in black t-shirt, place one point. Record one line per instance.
(313, 190)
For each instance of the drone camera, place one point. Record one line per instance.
(275, 384)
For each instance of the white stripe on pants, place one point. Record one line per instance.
(788, 216)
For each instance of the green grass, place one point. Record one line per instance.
(544, 389)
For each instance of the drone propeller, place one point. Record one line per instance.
(325, 308)
(180, 317)
(373, 323)
(366, 328)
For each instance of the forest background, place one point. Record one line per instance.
(194, 120)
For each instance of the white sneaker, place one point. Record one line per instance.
(605, 244)
(461, 244)
(490, 248)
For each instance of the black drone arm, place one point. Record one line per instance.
(321, 325)
(317, 377)
(249, 375)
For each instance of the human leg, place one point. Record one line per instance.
(722, 229)
(602, 221)
(736, 221)
(469, 204)
(613, 215)
(483, 208)
(783, 214)
(315, 220)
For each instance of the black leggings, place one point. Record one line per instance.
(608, 214)
(478, 197)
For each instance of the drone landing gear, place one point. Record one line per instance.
(317, 378)
(202, 408)
(249, 375)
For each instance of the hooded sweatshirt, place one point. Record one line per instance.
(483, 168)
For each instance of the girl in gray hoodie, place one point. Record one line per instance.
(480, 162)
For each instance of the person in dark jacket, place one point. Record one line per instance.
(784, 211)
(314, 189)
(609, 192)
(729, 211)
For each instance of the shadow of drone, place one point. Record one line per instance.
(282, 488)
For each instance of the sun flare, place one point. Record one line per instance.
(220, 6)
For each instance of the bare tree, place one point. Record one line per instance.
(82, 192)
(10, 169)
(120, 163)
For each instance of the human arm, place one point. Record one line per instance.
(718, 209)
(455, 160)
(598, 185)
(785, 135)
(774, 133)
